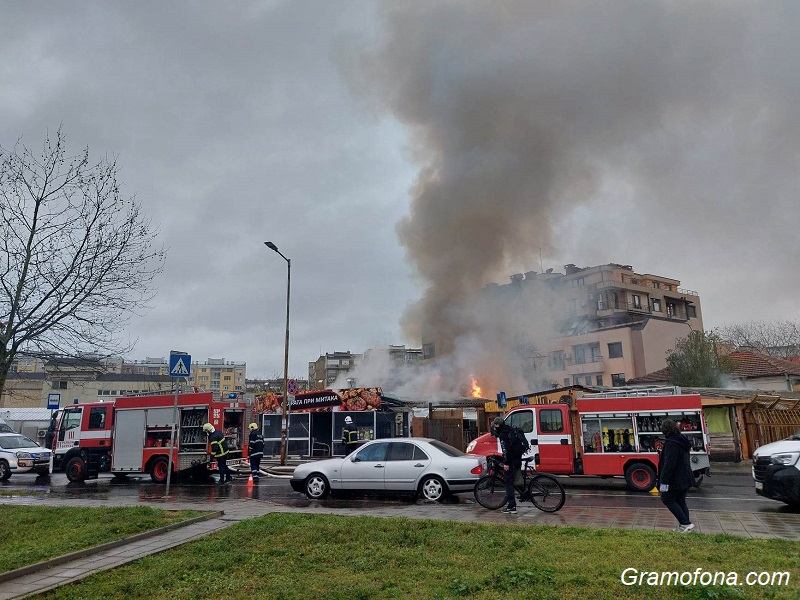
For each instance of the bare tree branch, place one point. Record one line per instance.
(780, 338)
(78, 258)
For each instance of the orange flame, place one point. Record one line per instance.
(476, 389)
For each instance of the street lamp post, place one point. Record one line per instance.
(285, 403)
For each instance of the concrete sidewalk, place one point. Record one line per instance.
(779, 525)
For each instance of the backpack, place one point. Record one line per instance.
(519, 443)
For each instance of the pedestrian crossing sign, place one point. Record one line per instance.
(180, 364)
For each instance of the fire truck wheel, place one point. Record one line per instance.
(640, 477)
(432, 488)
(317, 487)
(76, 469)
(5, 471)
(159, 469)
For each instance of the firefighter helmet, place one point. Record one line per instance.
(253, 426)
(208, 428)
(348, 420)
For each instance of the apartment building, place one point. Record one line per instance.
(76, 379)
(214, 375)
(619, 324)
(610, 323)
(324, 371)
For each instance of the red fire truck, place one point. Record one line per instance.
(607, 434)
(132, 435)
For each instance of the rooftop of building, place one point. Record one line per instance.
(749, 365)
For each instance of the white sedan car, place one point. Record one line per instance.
(422, 466)
(20, 454)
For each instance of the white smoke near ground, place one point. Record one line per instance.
(659, 123)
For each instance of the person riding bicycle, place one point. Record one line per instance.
(512, 461)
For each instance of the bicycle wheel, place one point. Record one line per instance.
(490, 492)
(546, 493)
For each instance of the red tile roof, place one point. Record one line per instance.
(749, 365)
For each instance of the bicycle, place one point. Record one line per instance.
(545, 491)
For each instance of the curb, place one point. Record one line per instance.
(58, 560)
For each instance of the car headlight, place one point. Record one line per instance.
(785, 458)
(24, 455)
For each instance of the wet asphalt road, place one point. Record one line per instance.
(726, 491)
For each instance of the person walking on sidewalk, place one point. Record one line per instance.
(512, 461)
(675, 474)
(219, 450)
(255, 450)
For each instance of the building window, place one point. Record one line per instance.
(588, 380)
(599, 380)
(555, 361)
(618, 379)
(691, 311)
(428, 350)
(615, 350)
(670, 309)
(656, 285)
(637, 300)
(59, 385)
(580, 354)
(656, 305)
(566, 381)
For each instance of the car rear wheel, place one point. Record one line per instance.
(317, 487)
(432, 488)
(5, 470)
(76, 469)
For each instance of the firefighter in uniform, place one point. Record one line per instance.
(219, 450)
(255, 451)
(349, 436)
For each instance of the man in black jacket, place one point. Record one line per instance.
(675, 475)
(512, 461)
(255, 450)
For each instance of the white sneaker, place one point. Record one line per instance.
(686, 528)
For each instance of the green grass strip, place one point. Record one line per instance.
(286, 556)
(31, 534)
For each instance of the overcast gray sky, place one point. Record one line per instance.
(404, 153)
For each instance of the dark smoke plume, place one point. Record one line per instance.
(668, 114)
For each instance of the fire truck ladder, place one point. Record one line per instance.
(629, 392)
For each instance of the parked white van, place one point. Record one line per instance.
(776, 470)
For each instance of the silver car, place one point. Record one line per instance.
(20, 454)
(422, 466)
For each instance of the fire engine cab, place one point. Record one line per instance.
(607, 434)
(132, 435)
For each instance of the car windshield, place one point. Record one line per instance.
(10, 442)
(446, 448)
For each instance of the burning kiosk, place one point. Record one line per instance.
(316, 419)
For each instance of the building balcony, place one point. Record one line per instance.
(596, 366)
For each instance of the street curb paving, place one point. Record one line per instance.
(58, 560)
